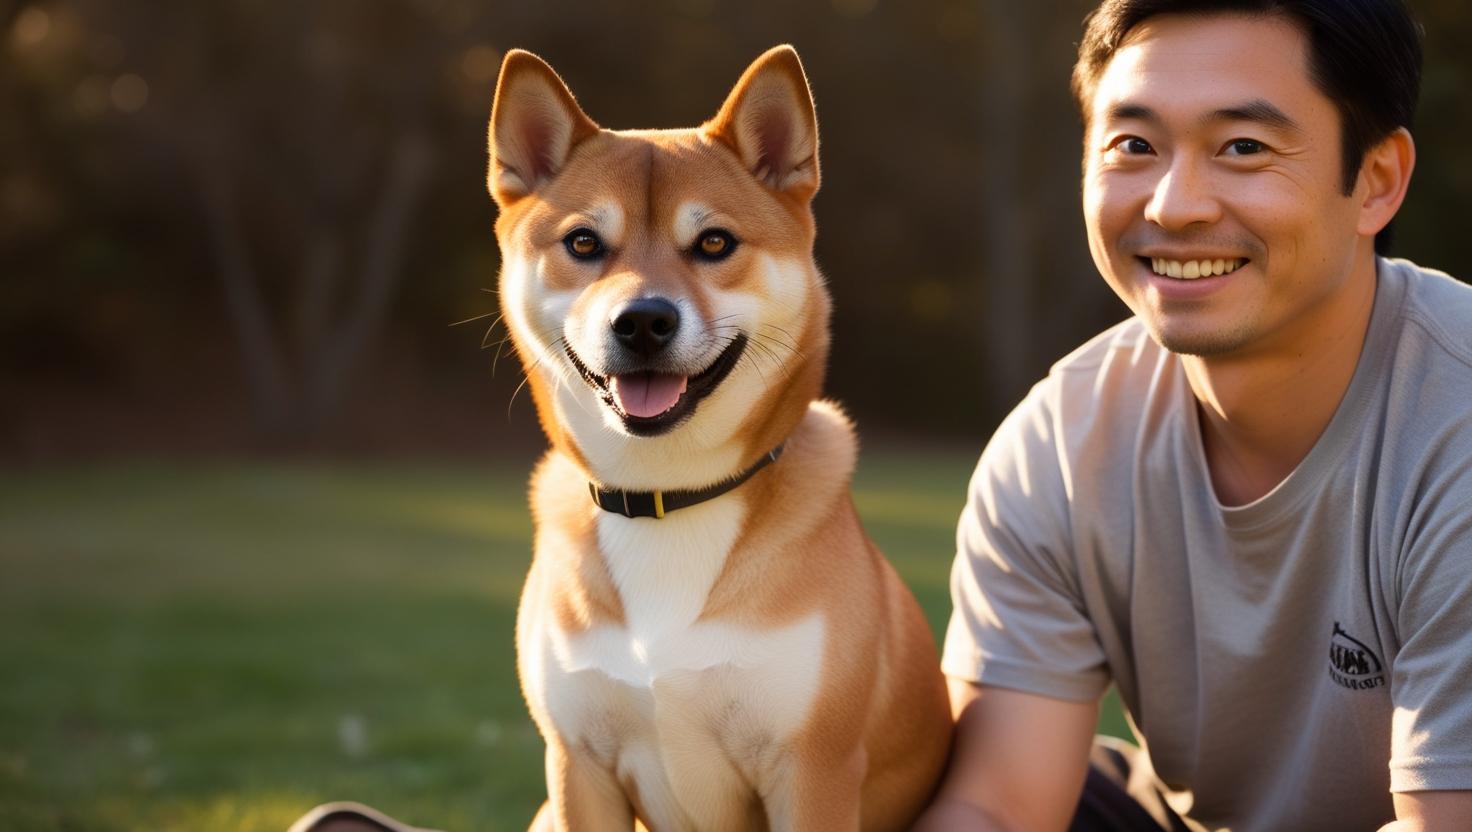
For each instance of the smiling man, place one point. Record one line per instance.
(1250, 506)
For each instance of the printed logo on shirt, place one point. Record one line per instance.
(1352, 664)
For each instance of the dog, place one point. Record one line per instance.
(707, 639)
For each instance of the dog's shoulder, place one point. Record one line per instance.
(827, 444)
(559, 495)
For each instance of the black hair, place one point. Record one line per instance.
(1364, 55)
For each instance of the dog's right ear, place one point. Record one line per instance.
(535, 124)
(768, 120)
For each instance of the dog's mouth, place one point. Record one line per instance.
(650, 403)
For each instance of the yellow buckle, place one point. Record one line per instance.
(659, 504)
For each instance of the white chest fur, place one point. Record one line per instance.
(665, 677)
(664, 569)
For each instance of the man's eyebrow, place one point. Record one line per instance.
(1126, 111)
(1259, 111)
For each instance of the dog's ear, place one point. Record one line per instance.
(535, 124)
(768, 120)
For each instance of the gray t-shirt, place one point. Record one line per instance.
(1288, 663)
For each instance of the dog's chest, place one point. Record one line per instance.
(664, 682)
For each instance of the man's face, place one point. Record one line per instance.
(1210, 150)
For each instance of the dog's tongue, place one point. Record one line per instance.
(646, 394)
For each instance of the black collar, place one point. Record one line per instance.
(660, 503)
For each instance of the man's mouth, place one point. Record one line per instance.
(650, 403)
(1193, 269)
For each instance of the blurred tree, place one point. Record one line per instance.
(313, 163)
(323, 165)
(1029, 248)
(1431, 226)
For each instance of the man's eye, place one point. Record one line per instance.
(1128, 146)
(1244, 147)
(1133, 146)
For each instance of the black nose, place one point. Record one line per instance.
(646, 326)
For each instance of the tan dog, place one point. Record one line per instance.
(708, 641)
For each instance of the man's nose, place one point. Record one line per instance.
(1185, 195)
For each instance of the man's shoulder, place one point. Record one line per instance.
(1127, 340)
(1440, 307)
(1119, 371)
(1428, 435)
(1094, 400)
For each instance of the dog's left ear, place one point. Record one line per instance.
(768, 120)
(535, 124)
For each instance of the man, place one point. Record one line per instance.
(1250, 506)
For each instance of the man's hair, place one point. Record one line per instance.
(1364, 55)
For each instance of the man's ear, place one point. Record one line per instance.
(1385, 175)
(768, 120)
(535, 124)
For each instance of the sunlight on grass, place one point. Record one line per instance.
(223, 646)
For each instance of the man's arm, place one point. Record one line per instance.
(1431, 812)
(1018, 762)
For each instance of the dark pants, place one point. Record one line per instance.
(345, 816)
(1120, 796)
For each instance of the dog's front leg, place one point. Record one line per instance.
(820, 793)
(582, 795)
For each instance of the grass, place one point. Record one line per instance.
(220, 647)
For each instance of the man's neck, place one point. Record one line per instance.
(1262, 410)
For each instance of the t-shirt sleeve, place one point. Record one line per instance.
(1018, 620)
(1431, 679)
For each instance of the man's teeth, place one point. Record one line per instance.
(1192, 269)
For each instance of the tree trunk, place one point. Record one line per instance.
(334, 363)
(244, 304)
(1006, 312)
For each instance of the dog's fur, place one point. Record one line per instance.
(752, 661)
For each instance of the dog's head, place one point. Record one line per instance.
(659, 286)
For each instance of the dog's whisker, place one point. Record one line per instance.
(480, 318)
(486, 342)
(768, 341)
(492, 328)
(559, 379)
(548, 349)
(755, 365)
(496, 362)
(716, 343)
(526, 377)
(785, 344)
(779, 342)
(774, 358)
(789, 342)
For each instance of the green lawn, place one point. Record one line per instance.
(219, 647)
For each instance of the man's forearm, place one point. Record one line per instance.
(952, 815)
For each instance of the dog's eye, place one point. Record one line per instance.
(583, 244)
(715, 244)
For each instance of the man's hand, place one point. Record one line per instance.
(1431, 812)
(1018, 762)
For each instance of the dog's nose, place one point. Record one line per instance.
(646, 325)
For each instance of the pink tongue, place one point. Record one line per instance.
(646, 394)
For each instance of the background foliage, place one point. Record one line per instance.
(232, 220)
